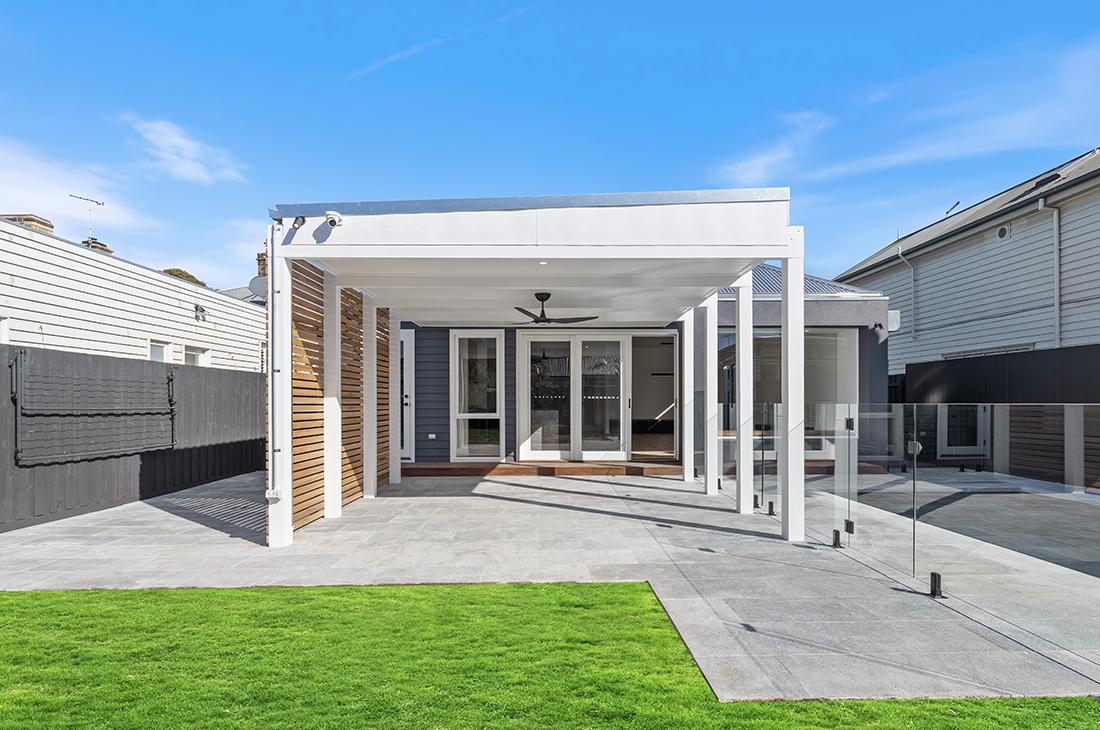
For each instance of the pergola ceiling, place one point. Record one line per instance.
(623, 293)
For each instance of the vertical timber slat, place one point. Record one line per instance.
(382, 394)
(307, 393)
(352, 468)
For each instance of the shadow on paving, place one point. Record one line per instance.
(235, 506)
(1059, 531)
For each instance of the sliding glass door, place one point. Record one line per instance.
(574, 397)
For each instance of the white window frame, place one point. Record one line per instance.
(498, 334)
(167, 350)
(5, 329)
(203, 359)
(945, 451)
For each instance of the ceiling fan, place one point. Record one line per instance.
(541, 317)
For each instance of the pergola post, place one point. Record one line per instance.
(280, 501)
(744, 397)
(792, 445)
(333, 417)
(687, 400)
(395, 397)
(712, 452)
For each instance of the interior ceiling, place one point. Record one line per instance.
(481, 292)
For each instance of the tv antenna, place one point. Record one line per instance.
(90, 201)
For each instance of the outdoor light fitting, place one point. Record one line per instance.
(299, 221)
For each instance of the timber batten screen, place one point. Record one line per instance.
(352, 471)
(382, 343)
(307, 392)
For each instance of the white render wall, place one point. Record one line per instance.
(59, 295)
(978, 293)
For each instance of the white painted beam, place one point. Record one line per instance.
(333, 425)
(687, 394)
(792, 447)
(712, 448)
(395, 397)
(743, 408)
(280, 498)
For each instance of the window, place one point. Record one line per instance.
(477, 394)
(5, 330)
(158, 351)
(194, 356)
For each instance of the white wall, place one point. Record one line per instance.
(60, 295)
(976, 292)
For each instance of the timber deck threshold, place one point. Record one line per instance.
(540, 468)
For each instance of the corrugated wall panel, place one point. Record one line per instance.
(307, 392)
(352, 467)
(1092, 447)
(382, 393)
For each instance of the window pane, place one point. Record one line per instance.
(477, 375)
(156, 352)
(550, 396)
(478, 437)
(601, 396)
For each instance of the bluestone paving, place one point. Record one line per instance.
(764, 619)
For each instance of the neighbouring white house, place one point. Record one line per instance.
(482, 334)
(1014, 274)
(60, 295)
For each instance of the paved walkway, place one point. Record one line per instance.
(765, 619)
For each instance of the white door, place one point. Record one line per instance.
(574, 397)
(408, 394)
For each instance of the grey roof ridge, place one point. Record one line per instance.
(586, 200)
(863, 267)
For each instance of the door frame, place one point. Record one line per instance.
(523, 394)
(408, 395)
(455, 416)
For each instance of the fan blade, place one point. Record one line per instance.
(572, 320)
(524, 311)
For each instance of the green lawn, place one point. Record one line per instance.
(517, 656)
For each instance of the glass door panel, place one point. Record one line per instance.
(478, 385)
(550, 387)
(603, 387)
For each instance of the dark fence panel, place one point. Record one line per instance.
(219, 431)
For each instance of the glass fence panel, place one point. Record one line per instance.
(881, 495)
(827, 485)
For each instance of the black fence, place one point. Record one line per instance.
(81, 433)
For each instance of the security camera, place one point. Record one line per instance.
(334, 219)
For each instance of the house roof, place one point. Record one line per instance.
(768, 279)
(452, 205)
(1076, 171)
(244, 294)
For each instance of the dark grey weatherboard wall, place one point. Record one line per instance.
(1062, 375)
(432, 365)
(219, 429)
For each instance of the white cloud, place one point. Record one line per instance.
(181, 156)
(777, 160)
(32, 183)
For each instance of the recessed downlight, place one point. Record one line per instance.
(542, 263)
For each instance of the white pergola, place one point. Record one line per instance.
(638, 260)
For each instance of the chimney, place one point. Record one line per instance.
(29, 220)
(96, 245)
(261, 264)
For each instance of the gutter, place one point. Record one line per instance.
(1057, 256)
(912, 290)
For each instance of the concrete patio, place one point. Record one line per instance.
(764, 619)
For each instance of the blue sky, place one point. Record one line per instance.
(190, 120)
